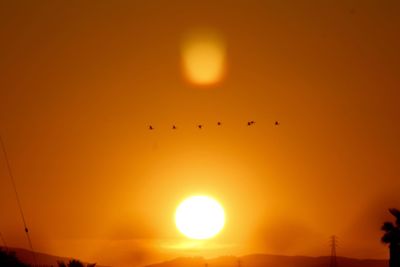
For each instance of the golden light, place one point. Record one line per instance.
(200, 217)
(203, 57)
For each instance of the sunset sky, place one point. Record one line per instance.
(81, 81)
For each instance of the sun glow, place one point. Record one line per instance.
(203, 58)
(200, 217)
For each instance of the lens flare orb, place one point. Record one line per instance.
(203, 58)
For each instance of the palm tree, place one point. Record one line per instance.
(392, 237)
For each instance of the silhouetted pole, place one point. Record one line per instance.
(333, 244)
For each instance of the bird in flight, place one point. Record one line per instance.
(200, 126)
(151, 127)
(173, 127)
(219, 123)
(277, 123)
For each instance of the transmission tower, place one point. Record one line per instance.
(333, 244)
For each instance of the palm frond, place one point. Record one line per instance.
(396, 213)
(387, 238)
(387, 227)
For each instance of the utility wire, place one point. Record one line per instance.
(4, 241)
(17, 197)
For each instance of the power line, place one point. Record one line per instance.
(17, 197)
(4, 241)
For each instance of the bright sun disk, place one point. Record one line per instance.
(200, 217)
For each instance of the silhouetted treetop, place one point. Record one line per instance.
(392, 237)
(396, 213)
(9, 259)
(74, 263)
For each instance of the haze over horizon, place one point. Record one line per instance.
(81, 82)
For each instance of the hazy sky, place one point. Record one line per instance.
(80, 81)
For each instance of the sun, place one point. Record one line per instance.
(200, 217)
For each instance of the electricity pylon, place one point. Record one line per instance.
(333, 244)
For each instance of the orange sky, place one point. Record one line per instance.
(80, 82)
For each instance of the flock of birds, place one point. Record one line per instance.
(200, 126)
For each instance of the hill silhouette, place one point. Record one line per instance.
(25, 256)
(263, 260)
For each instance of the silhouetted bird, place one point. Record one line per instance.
(219, 123)
(151, 127)
(248, 123)
(200, 126)
(277, 123)
(173, 127)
